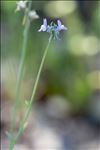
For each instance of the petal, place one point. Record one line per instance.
(42, 28)
(59, 23)
(63, 27)
(45, 22)
(48, 28)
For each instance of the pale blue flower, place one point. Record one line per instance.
(43, 26)
(53, 28)
(60, 26)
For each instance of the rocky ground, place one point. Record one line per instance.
(48, 131)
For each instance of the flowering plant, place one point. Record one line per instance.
(54, 30)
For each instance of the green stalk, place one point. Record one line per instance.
(22, 126)
(20, 73)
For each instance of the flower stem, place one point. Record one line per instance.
(20, 74)
(21, 129)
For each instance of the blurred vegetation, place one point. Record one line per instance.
(67, 66)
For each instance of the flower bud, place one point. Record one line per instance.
(33, 15)
(21, 5)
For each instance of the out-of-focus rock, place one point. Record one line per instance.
(21, 147)
(58, 107)
(94, 145)
(93, 108)
(46, 139)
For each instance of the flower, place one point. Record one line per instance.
(60, 26)
(21, 5)
(33, 15)
(43, 26)
(53, 28)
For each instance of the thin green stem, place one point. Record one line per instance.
(40, 69)
(20, 73)
(21, 129)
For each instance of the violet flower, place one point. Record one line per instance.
(60, 26)
(53, 28)
(43, 26)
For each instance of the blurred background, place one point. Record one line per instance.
(66, 111)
